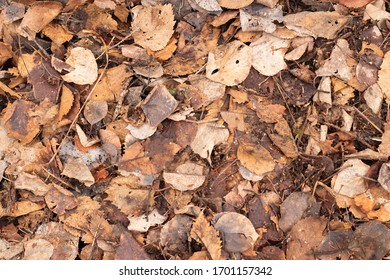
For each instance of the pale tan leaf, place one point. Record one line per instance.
(204, 233)
(85, 67)
(153, 26)
(229, 64)
(77, 169)
(256, 159)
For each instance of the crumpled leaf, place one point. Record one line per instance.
(268, 54)
(85, 67)
(238, 231)
(374, 98)
(174, 235)
(316, 24)
(204, 233)
(259, 18)
(349, 181)
(354, 3)
(153, 26)
(188, 177)
(229, 64)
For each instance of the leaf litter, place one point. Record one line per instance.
(217, 130)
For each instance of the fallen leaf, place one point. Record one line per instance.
(207, 136)
(144, 222)
(38, 16)
(10, 251)
(383, 177)
(77, 169)
(210, 6)
(153, 26)
(38, 249)
(268, 54)
(59, 200)
(158, 105)
(187, 177)
(85, 67)
(234, 4)
(238, 236)
(354, 3)
(306, 237)
(95, 111)
(293, 209)
(126, 194)
(350, 180)
(374, 98)
(129, 248)
(174, 235)
(31, 183)
(257, 17)
(384, 77)
(255, 158)
(229, 64)
(204, 233)
(316, 24)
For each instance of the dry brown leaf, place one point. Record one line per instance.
(306, 237)
(355, 4)
(5, 53)
(12, 12)
(187, 177)
(21, 208)
(384, 77)
(153, 26)
(59, 200)
(144, 222)
(316, 24)
(293, 209)
(126, 194)
(98, 20)
(31, 183)
(268, 3)
(77, 169)
(174, 235)
(384, 177)
(260, 18)
(66, 102)
(186, 60)
(204, 233)
(234, 4)
(57, 33)
(349, 181)
(203, 6)
(283, 139)
(129, 248)
(255, 158)
(268, 54)
(110, 86)
(38, 249)
(95, 111)
(159, 105)
(38, 16)
(211, 90)
(19, 123)
(229, 64)
(240, 235)
(207, 136)
(85, 67)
